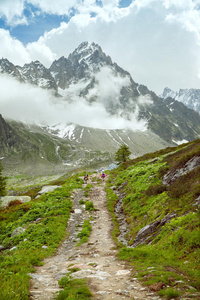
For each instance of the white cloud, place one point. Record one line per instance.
(109, 85)
(59, 7)
(156, 52)
(157, 41)
(13, 49)
(30, 104)
(12, 10)
(41, 52)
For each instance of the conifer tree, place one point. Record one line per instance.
(123, 153)
(2, 182)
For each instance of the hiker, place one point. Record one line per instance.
(86, 177)
(103, 176)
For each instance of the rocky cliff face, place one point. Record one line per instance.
(189, 97)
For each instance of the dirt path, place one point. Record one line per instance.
(108, 277)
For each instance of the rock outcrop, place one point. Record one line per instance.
(149, 230)
(174, 174)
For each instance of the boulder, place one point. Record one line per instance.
(17, 231)
(174, 174)
(147, 231)
(47, 189)
(4, 201)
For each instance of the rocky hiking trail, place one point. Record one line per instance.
(96, 260)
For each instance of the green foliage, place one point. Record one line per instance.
(85, 232)
(174, 249)
(81, 202)
(45, 221)
(87, 189)
(74, 289)
(2, 183)
(63, 281)
(169, 293)
(123, 153)
(89, 205)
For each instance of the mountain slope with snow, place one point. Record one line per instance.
(89, 81)
(189, 97)
(37, 149)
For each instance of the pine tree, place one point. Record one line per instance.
(123, 153)
(2, 182)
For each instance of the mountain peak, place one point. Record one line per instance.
(89, 53)
(88, 46)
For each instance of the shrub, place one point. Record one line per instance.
(154, 190)
(14, 203)
(89, 205)
(81, 202)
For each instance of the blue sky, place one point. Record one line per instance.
(157, 41)
(38, 22)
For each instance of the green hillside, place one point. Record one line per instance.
(160, 194)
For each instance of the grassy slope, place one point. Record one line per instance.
(172, 257)
(45, 222)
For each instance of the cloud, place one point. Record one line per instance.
(31, 104)
(149, 39)
(158, 42)
(13, 49)
(109, 85)
(12, 10)
(59, 7)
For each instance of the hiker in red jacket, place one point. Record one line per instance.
(103, 176)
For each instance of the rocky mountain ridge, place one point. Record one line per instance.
(88, 74)
(189, 97)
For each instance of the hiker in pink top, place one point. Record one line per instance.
(103, 176)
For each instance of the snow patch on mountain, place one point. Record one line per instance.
(180, 142)
(189, 97)
(63, 130)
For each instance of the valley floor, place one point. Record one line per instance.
(96, 260)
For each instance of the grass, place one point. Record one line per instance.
(174, 249)
(87, 189)
(74, 289)
(169, 293)
(85, 232)
(44, 220)
(89, 205)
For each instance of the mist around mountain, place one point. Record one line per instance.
(32, 149)
(81, 104)
(189, 97)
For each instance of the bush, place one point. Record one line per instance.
(89, 205)
(154, 190)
